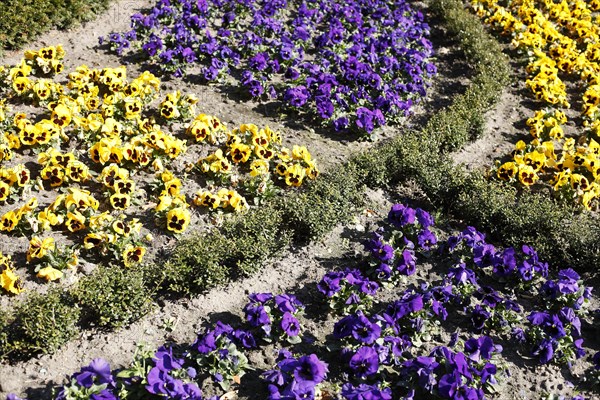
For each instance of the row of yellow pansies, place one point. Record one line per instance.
(99, 139)
(562, 40)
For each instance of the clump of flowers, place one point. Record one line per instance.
(172, 207)
(115, 238)
(555, 37)
(50, 261)
(524, 268)
(62, 168)
(352, 66)
(178, 107)
(94, 381)
(348, 291)
(47, 59)
(451, 375)
(73, 210)
(295, 377)
(14, 182)
(9, 280)
(555, 333)
(160, 374)
(252, 161)
(274, 317)
(121, 187)
(20, 219)
(556, 336)
(393, 249)
(216, 352)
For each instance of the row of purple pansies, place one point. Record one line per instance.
(354, 65)
(379, 348)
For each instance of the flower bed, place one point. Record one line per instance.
(561, 44)
(352, 65)
(389, 348)
(106, 144)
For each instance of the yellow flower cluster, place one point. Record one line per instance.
(172, 206)
(99, 136)
(115, 236)
(13, 179)
(224, 198)
(9, 280)
(175, 106)
(59, 168)
(50, 260)
(11, 219)
(71, 210)
(562, 40)
(249, 157)
(117, 180)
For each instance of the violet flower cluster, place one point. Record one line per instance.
(452, 375)
(506, 265)
(554, 329)
(379, 347)
(348, 291)
(295, 377)
(274, 317)
(394, 247)
(94, 381)
(151, 375)
(218, 354)
(168, 377)
(353, 65)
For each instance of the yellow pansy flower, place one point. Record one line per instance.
(120, 201)
(527, 175)
(207, 199)
(47, 219)
(77, 171)
(9, 280)
(9, 221)
(4, 191)
(579, 183)
(238, 202)
(50, 273)
(61, 115)
(39, 247)
(312, 172)
(133, 255)
(75, 221)
(200, 130)
(294, 175)
(92, 240)
(240, 153)
(259, 168)
(300, 153)
(535, 159)
(178, 219)
(124, 186)
(21, 85)
(169, 110)
(164, 202)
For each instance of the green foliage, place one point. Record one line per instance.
(42, 323)
(113, 296)
(463, 120)
(194, 265)
(254, 237)
(23, 20)
(330, 200)
(4, 339)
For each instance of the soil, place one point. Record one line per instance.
(299, 268)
